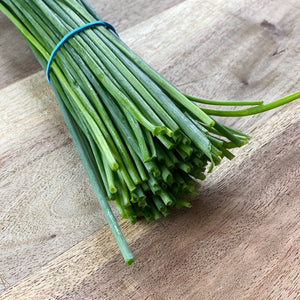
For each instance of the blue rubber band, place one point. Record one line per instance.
(71, 33)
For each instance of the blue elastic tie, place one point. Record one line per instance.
(71, 33)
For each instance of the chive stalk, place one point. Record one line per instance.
(143, 143)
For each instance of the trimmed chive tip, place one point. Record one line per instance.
(144, 144)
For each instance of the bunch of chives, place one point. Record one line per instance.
(143, 143)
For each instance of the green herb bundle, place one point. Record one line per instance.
(144, 144)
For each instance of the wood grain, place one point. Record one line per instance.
(241, 240)
(234, 244)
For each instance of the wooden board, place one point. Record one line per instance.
(240, 240)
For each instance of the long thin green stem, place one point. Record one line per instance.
(224, 102)
(89, 164)
(143, 142)
(253, 110)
